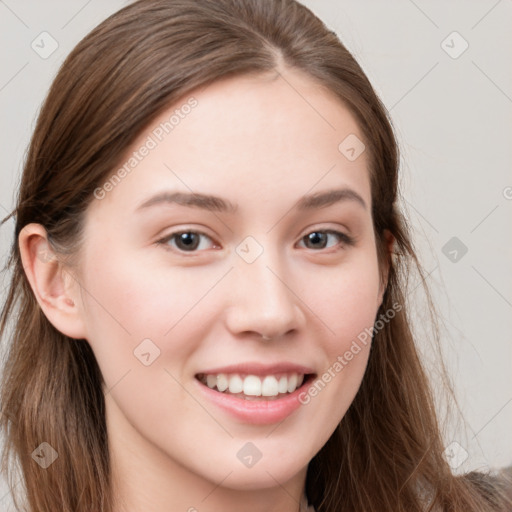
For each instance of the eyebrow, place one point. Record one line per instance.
(218, 204)
(328, 198)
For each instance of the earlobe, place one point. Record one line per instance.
(52, 284)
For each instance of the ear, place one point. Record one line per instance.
(54, 287)
(389, 251)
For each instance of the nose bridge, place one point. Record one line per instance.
(262, 299)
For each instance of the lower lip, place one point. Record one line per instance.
(258, 412)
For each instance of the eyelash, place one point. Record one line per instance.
(345, 239)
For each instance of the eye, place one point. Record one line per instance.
(187, 241)
(195, 241)
(325, 239)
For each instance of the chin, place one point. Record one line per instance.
(256, 479)
(265, 473)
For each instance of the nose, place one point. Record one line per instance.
(262, 300)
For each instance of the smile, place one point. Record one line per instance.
(253, 387)
(255, 393)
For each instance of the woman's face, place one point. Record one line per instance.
(237, 250)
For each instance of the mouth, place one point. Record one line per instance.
(251, 387)
(255, 393)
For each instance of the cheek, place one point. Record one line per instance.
(347, 300)
(127, 302)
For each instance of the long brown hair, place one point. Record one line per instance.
(386, 454)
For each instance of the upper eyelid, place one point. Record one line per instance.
(345, 237)
(163, 240)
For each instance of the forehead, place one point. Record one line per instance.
(260, 138)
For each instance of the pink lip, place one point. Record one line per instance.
(259, 369)
(256, 412)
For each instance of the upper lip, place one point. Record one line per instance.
(254, 368)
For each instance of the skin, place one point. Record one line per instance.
(262, 145)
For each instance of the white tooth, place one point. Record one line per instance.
(252, 385)
(300, 380)
(269, 386)
(211, 381)
(292, 382)
(282, 387)
(236, 384)
(222, 382)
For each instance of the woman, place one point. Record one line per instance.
(210, 270)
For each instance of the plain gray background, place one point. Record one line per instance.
(452, 110)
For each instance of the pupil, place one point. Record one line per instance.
(188, 240)
(317, 238)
